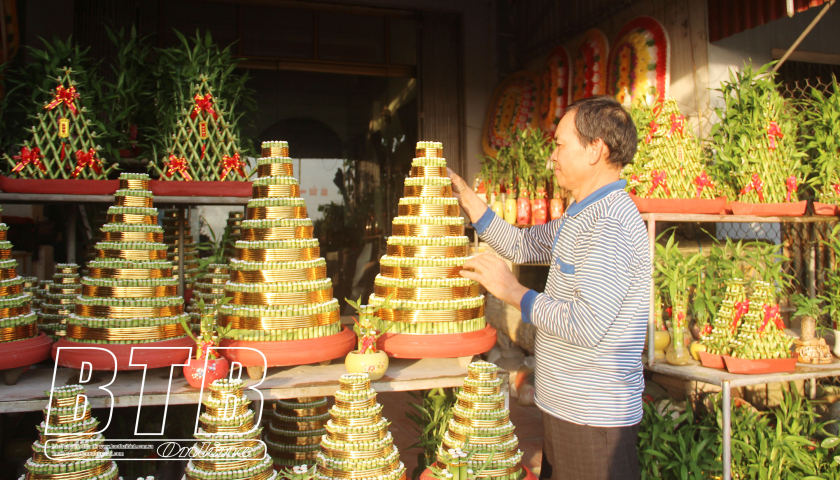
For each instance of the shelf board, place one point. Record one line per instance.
(159, 199)
(693, 217)
(717, 377)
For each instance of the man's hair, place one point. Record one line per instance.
(603, 117)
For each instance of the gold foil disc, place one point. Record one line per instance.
(275, 170)
(20, 332)
(132, 236)
(427, 293)
(129, 333)
(131, 201)
(356, 422)
(480, 406)
(128, 292)
(276, 233)
(266, 191)
(280, 298)
(130, 218)
(7, 273)
(280, 323)
(378, 453)
(134, 184)
(429, 172)
(275, 152)
(427, 191)
(428, 210)
(285, 275)
(420, 272)
(482, 440)
(128, 312)
(11, 289)
(273, 213)
(131, 273)
(132, 254)
(5, 253)
(428, 230)
(423, 316)
(427, 251)
(355, 405)
(482, 390)
(481, 423)
(278, 254)
(428, 152)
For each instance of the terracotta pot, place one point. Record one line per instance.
(166, 353)
(510, 210)
(447, 345)
(825, 209)
(792, 209)
(557, 208)
(374, 364)
(196, 376)
(66, 187)
(291, 352)
(540, 211)
(523, 211)
(680, 205)
(182, 188)
(757, 367)
(836, 350)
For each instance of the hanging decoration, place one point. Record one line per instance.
(640, 59)
(590, 67)
(513, 107)
(554, 97)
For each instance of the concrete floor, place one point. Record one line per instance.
(527, 420)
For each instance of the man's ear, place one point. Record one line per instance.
(598, 151)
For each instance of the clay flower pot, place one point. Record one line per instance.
(374, 364)
(498, 207)
(557, 208)
(661, 341)
(523, 211)
(196, 376)
(510, 209)
(539, 208)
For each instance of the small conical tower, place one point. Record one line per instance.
(30, 286)
(63, 144)
(728, 319)
(202, 144)
(234, 231)
(41, 294)
(170, 222)
(358, 444)
(60, 300)
(17, 320)
(762, 332)
(295, 431)
(210, 287)
(481, 426)
(227, 423)
(421, 270)
(67, 448)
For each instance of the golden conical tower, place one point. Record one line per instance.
(295, 430)
(60, 300)
(170, 238)
(41, 294)
(17, 320)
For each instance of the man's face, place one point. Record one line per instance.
(570, 158)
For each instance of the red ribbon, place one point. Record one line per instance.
(177, 165)
(28, 156)
(791, 187)
(836, 188)
(771, 312)
(86, 159)
(773, 132)
(202, 349)
(707, 329)
(653, 128)
(66, 96)
(232, 163)
(757, 185)
(635, 178)
(677, 123)
(702, 181)
(680, 318)
(740, 309)
(659, 179)
(205, 104)
(368, 343)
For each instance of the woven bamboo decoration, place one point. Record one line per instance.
(60, 300)
(63, 143)
(17, 320)
(295, 431)
(762, 334)
(358, 444)
(728, 319)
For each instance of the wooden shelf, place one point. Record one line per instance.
(159, 199)
(693, 217)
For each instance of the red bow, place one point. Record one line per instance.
(791, 187)
(771, 312)
(202, 349)
(680, 318)
(677, 123)
(757, 185)
(368, 343)
(659, 179)
(86, 159)
(653, 128)
(177, 165)
(204, 103)
(28, 156)
(66, 96)
(707, 329)
(773, 131)
(740, 309)
(232, 163)
(836, 188)
(702, 181)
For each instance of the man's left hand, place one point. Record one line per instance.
(492, 272)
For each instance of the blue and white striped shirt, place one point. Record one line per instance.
(592, 317)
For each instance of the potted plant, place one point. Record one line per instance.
(207, 366)
(674, 275)
(832, 296)
(822, 133)
(366, 358)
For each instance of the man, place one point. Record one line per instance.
(591, 319)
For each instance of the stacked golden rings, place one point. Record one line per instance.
(420, 272)
(70, 418)
(129, 292)
(280, 323)
(431, 316)
(427, 251)
(80, 475)
(482, 390)
(274, 169)
(7, 273)
(132, 254)
(428, 210)
(131, 273)
(298, 426)
(276, 233)
(66, 280)
(64, 457)
(481, 423)
(20, 332)
(46, 309)
(428, 230)
(483, 377)
(133, 236)
(280, 275)
(275, 152)
(266, 191)
(363, 455)
(222, 270)
(302, 412)
(357, 422)
(132, 201)
(229, 428)
(5, 253)
(481, 405)
(223, 465)
(293, 456)
(280, 298)
(428, 152)
(502, 471)
(355, 404)
(67, 270)
(134, 184)
(129, 333)
(358, 474)
(481, 440)
(301, 441)
(128, 312)
(483, 457)
(428, 172)
(66, 291)
(3, 234)
(355, 387)
(426, 293)
(274, 213)
(427, 191)
(131, 218)
(277, 254)
(11, 289)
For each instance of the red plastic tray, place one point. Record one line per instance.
(712, 360)
(63, 187)
(427, 474)
(792, 209)
(292, 352)
(182, 188)
(101, 360)
(22, 353)
(680, 205)
(753, 367)
(447, 345)
(825, 209)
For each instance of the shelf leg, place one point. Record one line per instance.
(727, 432)
(70, 233)
(181, 283)
(652, 313)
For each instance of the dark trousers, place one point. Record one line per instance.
(581, 452)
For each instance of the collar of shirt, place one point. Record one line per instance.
(593, 197)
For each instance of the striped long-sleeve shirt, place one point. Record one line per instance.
(592, 317)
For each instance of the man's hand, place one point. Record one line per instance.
(492, 272)
(468, 199)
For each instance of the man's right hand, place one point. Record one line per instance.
(469, 200)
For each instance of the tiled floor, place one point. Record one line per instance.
(527, 420)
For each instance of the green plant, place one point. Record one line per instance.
(365, 329)
(210, 331)
(431, 418)
(821, 113)
(676, 274)
(807, 306)
(832, 296)
(216, 246)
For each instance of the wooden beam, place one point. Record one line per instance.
(371, 69)
(808, 57)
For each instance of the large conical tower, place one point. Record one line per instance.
(421, 271)
(278, 281)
